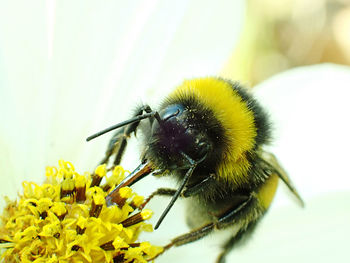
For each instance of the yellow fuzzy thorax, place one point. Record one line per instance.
(235, 117)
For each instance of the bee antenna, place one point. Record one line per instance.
(179, 190)
(121, 124)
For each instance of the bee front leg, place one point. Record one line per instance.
(118, 142)
(114, 146)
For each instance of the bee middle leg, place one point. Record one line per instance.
(161, 192)
(188, 191)
(199, 187)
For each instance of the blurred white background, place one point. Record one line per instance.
(71, 68)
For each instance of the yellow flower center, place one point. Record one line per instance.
(66, 220)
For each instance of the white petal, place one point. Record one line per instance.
(310, 107)
(71, 68)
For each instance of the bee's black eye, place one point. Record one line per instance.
(171, 111)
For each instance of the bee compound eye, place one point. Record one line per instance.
(171, 111)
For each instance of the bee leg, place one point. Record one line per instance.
(159, 191)
(113, 145)
(240, 236)
(127, 130)
(118, 142)
(237, 216)
(223, 221)
(237, 212)
(198, 187)
(189, 191)
(191, 236)
(188, 237)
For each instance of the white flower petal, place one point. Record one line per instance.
(310, 106)
(71, 68)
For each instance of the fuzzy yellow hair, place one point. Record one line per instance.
(235, 117)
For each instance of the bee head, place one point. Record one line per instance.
(178, 132)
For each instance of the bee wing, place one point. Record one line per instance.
(271, 159)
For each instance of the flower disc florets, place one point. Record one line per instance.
(66, 220)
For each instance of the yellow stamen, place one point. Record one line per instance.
(100, 172)
(137, 218)
(66, 220)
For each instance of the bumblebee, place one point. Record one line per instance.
(209, 134)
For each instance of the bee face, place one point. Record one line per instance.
(177, 133)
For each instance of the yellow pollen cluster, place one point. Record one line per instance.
(66, 220)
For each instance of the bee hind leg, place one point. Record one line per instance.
(228, 219)
(239, 237)
(191, 236)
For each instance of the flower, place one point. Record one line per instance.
(83, 67)
(66, 220)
